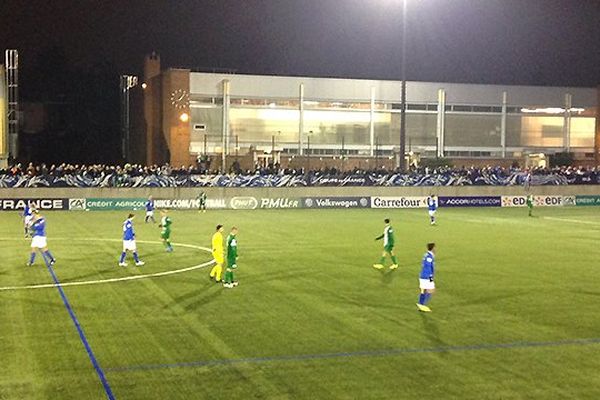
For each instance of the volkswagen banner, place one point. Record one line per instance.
(336, 202)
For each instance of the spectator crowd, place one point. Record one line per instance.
(31, 175)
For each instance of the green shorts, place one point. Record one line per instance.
(388, 249)
(165, 234)
(231, 264)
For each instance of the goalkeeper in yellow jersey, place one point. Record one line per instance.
(218, 254)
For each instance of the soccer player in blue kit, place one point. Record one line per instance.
(432, 206)
(426, 283)
(38, 241)
(27, 217)
(150, 210)
(129, 242)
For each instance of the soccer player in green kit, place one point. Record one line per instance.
(202, 203)
(388, 246)
(165, 233)
(530, 204)
(232, 255)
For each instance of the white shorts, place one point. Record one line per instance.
(431, 213)
(28, 219)
(129, 245)
(149, 213)
(39, 242)
(426, 284)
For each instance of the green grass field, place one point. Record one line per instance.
(515, 315)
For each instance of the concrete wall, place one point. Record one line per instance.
(187, 193)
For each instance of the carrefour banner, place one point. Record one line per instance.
(336, 202)
(399, 202)
(587, 200)
(470, 201)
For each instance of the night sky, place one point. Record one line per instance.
(73, 51)
(540, 42)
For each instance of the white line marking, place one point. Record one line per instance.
(127, 278)
(577, 221)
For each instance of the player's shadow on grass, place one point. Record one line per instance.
(430, 328)
(201, 297)
(388, 275)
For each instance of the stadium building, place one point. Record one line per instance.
(179, 116)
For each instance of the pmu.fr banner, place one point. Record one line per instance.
(470, 201)
(279, 202)
(39, 204)
(399, 202)
(587, 200)
(336, 202)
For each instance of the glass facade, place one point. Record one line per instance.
(463, 130)
(582, 131)
(257, 121)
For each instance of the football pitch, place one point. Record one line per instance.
(515, 314)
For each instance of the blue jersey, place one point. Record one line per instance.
(150, 205)
(128, 233)
(38, 227)
(27, 211)
(427, 270)
(431, 204)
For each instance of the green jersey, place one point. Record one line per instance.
(202, 198)
(165, 224)
(530, 201)
(388, 237)
(231, 250)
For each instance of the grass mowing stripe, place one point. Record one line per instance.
(374, 353)
(84, 340)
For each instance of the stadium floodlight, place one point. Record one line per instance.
(144, 85)
(403, 83)
(184, 117)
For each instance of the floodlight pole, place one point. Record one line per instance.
(403, 89)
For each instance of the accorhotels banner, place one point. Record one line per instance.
(587, 200)
(470, 201)
(399, 202)
(336, 202)
(40, 204)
